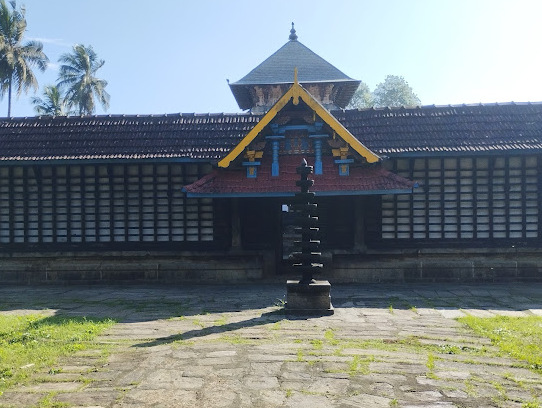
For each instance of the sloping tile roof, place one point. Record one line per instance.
(447, 129)
(423, 130)
(184, 136)
(279, 69)
(362, 180)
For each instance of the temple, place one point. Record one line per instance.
(435, 193)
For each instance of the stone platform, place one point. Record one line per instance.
(233, 346)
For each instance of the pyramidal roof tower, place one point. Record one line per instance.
(262, 87)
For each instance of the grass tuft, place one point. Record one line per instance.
(359, 365)
(519, 337)
(32, 343)
(48, 402)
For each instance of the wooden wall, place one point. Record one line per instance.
(86, 206)
(463, 201)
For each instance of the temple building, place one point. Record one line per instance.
(435, 193)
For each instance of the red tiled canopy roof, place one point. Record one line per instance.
(362, 180)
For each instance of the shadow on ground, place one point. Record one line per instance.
(136, 303)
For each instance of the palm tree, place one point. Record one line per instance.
(77, 76)
(17, 59)
(52, 103)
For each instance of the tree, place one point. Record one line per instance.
(362, 98)
(16, 59)
(52, 103)
(394, 91)
(77, 77)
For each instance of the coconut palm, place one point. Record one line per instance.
(52, 103)
(77, 77)
(16, 58)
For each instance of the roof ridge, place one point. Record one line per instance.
(126, 116)
(434, 106)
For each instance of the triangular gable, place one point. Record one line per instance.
(295, 93)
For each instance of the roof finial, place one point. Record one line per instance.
(293, 35)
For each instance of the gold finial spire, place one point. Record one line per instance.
(295, 75)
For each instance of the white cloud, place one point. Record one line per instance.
(53, 41)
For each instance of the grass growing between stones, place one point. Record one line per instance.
(32, 343)
(520, 337)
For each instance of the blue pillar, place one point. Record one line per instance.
(317, 143)
(275, 139)
(318, 157)
(275, 165)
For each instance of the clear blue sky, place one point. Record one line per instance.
(170, 56)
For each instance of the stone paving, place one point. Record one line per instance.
(233, 346)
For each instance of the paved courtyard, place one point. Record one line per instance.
(232, 346)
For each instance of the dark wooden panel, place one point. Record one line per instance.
(490, 200)
(79, 206)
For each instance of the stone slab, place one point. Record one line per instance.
(233, 346)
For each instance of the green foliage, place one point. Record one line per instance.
(362, 98)
(329, 335)
(430, 362)
(470, 388)
(77, 77)
(317, 344)
(394, 91)
(223, 320)
(235, 339)
(17, 59)
(31, 343)
(48, 402)
(52, 103)
(359, 365)
(520, 337)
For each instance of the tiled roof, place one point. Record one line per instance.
(184, 136)
(423, 130)
(279, 69)
(362, 180)
(447, 129)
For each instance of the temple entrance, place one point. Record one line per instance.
(338, 226)
(267, 224)
(287, 238)
(260, 219)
